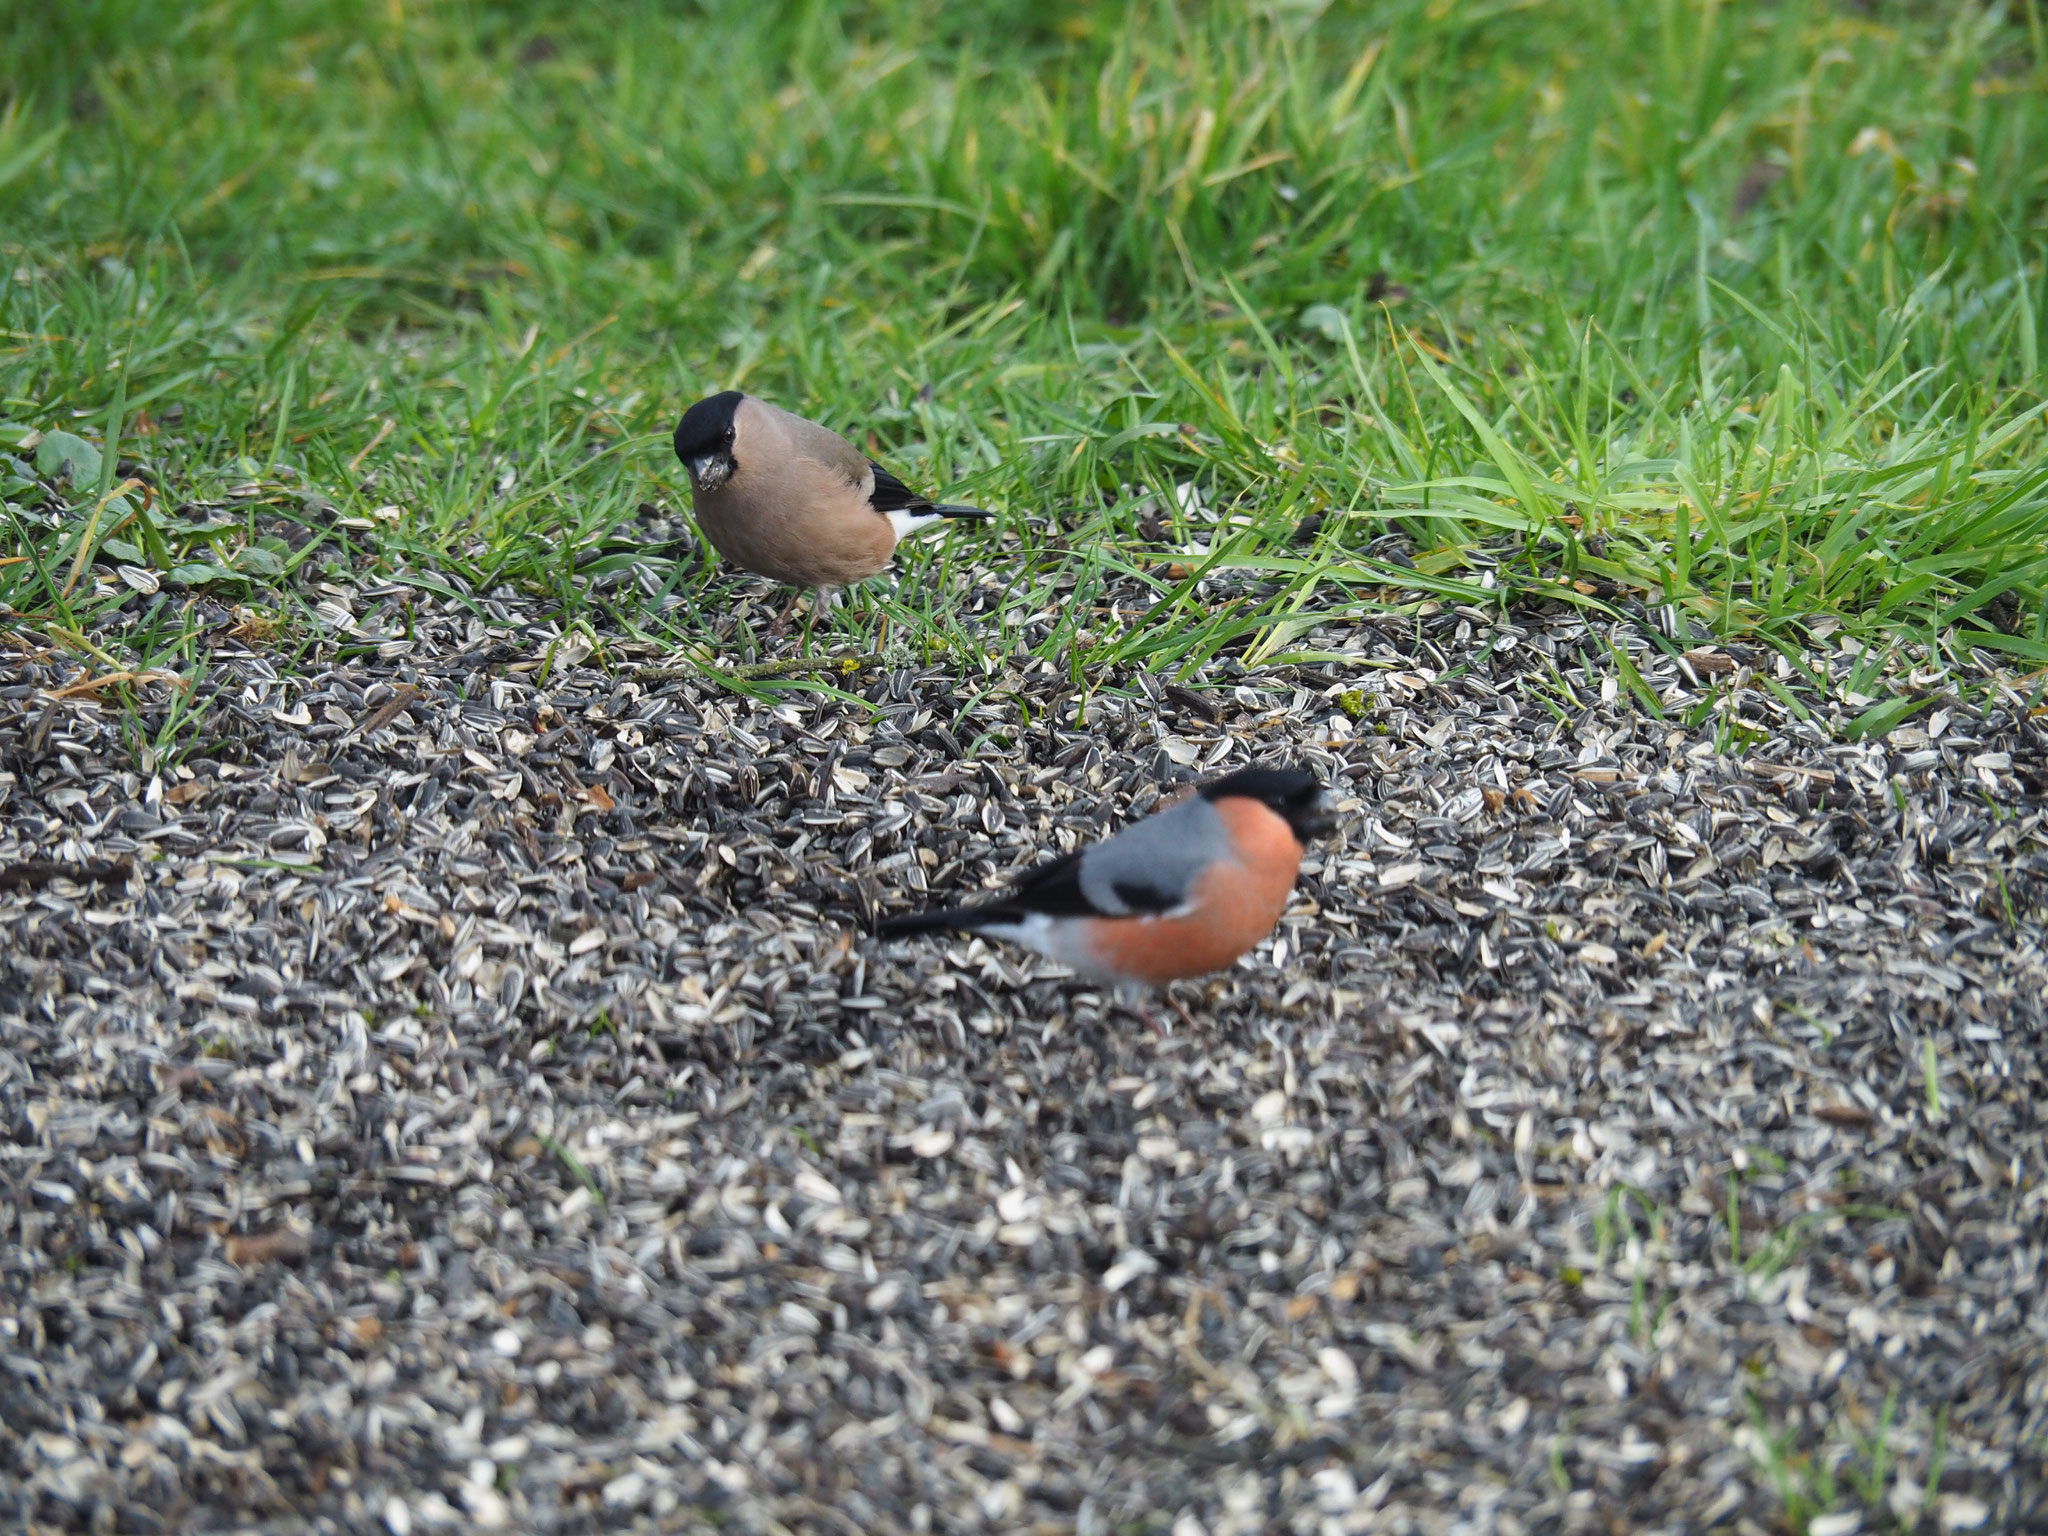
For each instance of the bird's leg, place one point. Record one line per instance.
(1181, 1008)
(1132, 1000)
(825, 600)
(782, 619)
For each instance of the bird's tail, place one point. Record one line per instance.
(975, 514)
(941, 920)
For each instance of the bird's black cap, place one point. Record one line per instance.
(1294, 796)
(707, 426)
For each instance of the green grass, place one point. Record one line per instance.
(1732, 306)
(1850, 1468)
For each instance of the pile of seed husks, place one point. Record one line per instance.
(460, 1091)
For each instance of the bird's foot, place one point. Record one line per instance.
(775, 631)
(1138, 1010)
(1134, 999)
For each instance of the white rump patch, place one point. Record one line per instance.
(905, 521)
(1057, 938)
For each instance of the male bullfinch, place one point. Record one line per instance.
(788, 499)
(1182, 892)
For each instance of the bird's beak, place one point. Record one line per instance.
(708, 471)
(1317, 819)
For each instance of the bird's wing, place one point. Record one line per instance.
(1147, 869)
(884, 492)
(1152, 865)
(823, 446)
(892, 495)
(1063, 889)
(1051, 890)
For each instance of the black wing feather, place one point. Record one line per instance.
(1146, 898)
(892, 495)
(1053, 889)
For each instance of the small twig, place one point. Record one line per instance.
(109, 679)
(371, 447)
(402, 699)
(1191, 1323)
(753, 671)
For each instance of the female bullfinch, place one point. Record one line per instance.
(1180, 893)
(791, 500)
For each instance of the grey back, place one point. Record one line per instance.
(1162, 854)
